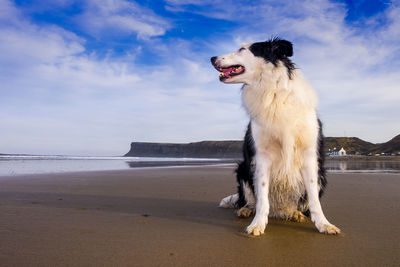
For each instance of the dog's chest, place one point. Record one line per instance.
(285, 156)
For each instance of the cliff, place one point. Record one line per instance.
(233, 149)
(205, 149)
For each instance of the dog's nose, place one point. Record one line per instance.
(213, 59)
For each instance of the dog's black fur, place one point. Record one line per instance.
(245, 168)
(275, 50)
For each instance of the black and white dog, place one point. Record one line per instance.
(282, 174)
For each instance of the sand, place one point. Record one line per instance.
(169, 217)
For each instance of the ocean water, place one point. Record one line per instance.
(20, 165)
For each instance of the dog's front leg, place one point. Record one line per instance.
(261, 184)
(310, 177)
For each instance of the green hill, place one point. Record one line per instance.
(352, 145)
(392, 146)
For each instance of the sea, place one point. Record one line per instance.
(14, 165)
(11, 165)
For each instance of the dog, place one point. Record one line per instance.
(282, 173)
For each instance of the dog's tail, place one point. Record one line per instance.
(229, 201)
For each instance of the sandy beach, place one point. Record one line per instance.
(169, 217)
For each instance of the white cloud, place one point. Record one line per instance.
(7, 10)
(190, 2)
(58, 99)
(110, 17)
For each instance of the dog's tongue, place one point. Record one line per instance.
(228, 71)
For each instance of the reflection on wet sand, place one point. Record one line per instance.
(363, 165)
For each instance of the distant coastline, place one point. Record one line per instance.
(354, 146)
(232, 149)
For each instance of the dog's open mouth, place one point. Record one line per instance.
(228, 72)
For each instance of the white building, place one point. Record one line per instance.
(336, 152)
(342, 152)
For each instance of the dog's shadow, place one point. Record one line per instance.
(191, 211)
(277, 225)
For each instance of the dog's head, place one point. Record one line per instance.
(241, 66)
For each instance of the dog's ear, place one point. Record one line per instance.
(282, 48)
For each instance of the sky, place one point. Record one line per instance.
(89, 77)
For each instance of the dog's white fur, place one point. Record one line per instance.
(285, 132)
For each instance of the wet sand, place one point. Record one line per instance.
(169, 217)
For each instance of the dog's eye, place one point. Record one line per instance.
(241, 49)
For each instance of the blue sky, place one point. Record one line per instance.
(89, 77)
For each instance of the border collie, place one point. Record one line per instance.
(282, 174)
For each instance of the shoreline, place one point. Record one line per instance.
(42, 165)
(155, 166)
(169, 217)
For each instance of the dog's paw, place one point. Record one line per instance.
(243, 212)
(298, 216)
(229, 201)
(329, 229)
(256, 228)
